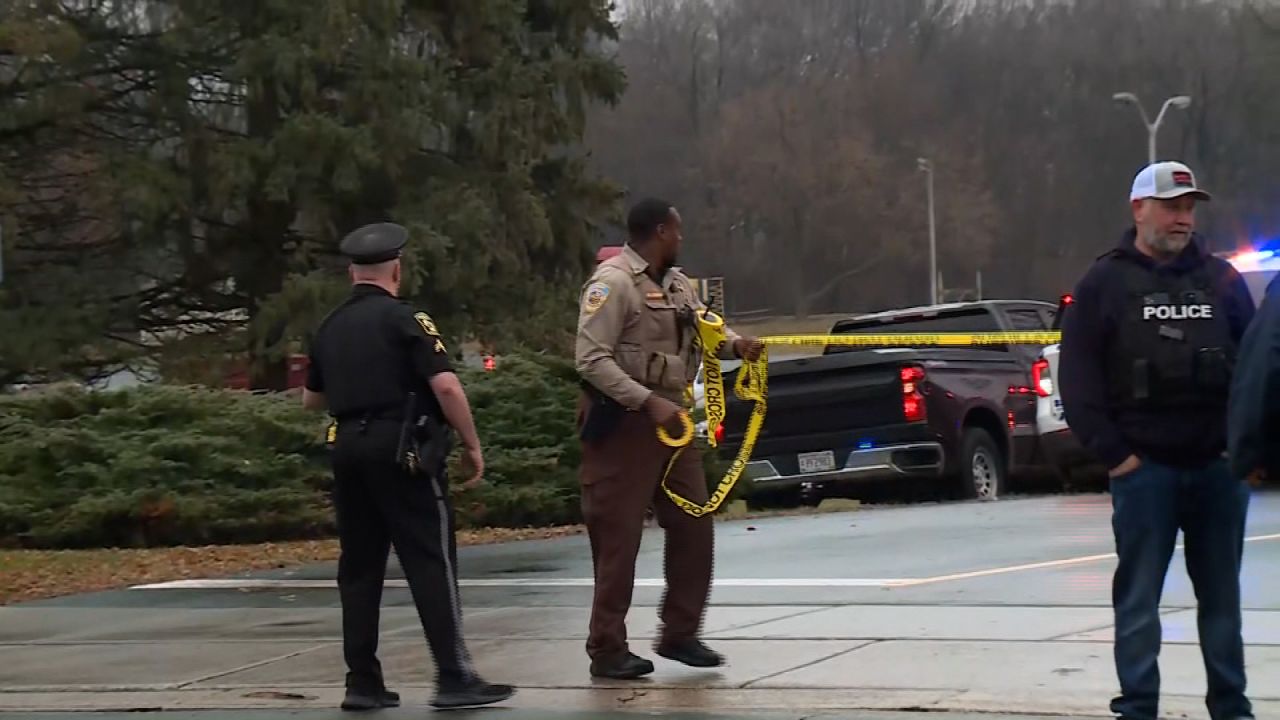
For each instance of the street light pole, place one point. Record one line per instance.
(1153, 128)
(927, 167)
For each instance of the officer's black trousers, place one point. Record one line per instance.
(378, 505)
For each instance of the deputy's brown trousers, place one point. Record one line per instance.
(621, 475)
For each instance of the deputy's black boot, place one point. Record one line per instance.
(472, 694)
(691, 652)
(625, 667)
(370, 701)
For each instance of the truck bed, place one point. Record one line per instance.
(841, 399)
(857, 414)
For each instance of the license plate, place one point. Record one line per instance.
(817, 461)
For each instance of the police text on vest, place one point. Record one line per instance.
(1177, 312)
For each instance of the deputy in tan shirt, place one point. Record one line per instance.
(637, 352)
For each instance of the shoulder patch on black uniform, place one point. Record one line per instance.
(429, 327)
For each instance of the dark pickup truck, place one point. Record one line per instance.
(960, 417)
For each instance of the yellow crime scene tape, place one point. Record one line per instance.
(752, 385)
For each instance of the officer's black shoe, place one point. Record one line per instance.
(625, 667)
(691, 652)
(370, 701)
(477, 693)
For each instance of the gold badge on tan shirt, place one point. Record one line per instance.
(595, 296)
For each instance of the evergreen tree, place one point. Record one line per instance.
(176, 174)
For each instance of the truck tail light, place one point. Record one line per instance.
(720, 433)
(1041, 380)
(912, 399)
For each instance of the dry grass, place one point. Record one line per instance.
(36, 574)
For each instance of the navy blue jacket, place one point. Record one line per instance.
(1254, 413)
(1181, 439)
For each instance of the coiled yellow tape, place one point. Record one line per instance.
(752, 385)
(681, 441)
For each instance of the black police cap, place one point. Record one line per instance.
(376, 243)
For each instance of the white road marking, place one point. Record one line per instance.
(1011, 569)
(1065, 562)
(550, 582)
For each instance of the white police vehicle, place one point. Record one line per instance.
(1258, 267)
(1062, 449)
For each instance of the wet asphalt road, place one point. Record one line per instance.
(971, 574)
(1032, 551)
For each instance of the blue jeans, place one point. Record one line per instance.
(1150, 505)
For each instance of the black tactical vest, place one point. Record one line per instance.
(1173, 347)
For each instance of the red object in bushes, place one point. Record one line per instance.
(238, 379)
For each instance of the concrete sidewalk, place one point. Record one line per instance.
(405, 714)
(818, 658)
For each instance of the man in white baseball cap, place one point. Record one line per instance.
(1147, 356)
(1164, 197)
(1166, 180)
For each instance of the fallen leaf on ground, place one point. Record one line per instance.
(38, 574)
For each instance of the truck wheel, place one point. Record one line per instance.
(982, 467)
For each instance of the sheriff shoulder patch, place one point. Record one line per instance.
(429, 327)
(595, 296)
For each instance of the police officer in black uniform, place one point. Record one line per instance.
(382, 372)
(1148, 350)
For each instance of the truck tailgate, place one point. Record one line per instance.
(823, 401)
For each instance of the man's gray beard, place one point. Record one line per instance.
(1168, 244)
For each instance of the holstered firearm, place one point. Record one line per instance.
(603, 415)
(424, 442)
